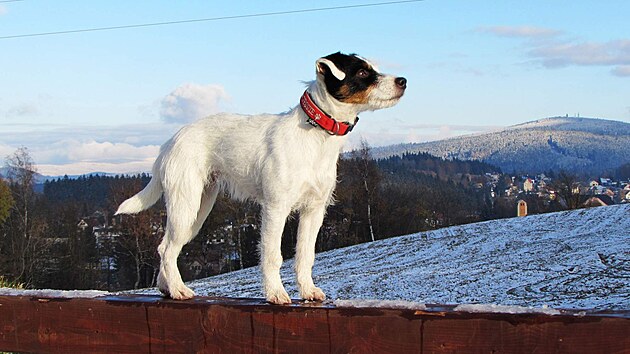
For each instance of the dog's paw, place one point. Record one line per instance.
(180, 292)
(313, 294)
(278, 297)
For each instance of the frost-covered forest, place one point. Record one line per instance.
(581, 145)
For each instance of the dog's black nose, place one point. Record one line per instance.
(401, 82)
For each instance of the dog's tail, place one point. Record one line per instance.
(144, 199)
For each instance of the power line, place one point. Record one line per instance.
(222, 18)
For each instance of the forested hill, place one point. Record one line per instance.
(579, 145)
(424, 163)
(92, 192)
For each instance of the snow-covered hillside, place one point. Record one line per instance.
(574, 259)
(574, 144)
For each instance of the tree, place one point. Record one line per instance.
(71, 260)
(370, 176)
(623, 172)
(567, 187)
(22, 242)
(139, 236)
(6, 201)
(358, 191)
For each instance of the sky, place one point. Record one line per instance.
(106, 100)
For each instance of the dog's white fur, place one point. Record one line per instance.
(279, 161)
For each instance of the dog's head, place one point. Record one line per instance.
(352, 79)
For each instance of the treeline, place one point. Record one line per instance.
(68, 238)
(622, 172)
(93, 192)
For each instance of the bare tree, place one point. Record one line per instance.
(22, 241)
(139, 237)
(369, 176)
(568, 189)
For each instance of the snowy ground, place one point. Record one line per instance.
(50, 293)
(574, 259)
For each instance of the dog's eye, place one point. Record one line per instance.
(362, 73)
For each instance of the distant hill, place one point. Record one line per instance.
(578, 145)
(570, 259)
(39, 179)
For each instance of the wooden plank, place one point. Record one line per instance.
(151, 324)
(77, 325)
(301, 329)
(526, 333)
(375, 331)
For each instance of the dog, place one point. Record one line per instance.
(285, 162)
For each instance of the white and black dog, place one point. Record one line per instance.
(285, 162)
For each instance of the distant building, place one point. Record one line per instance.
(605, 181)
(82, 224)
(528, 185)
(598, 200)
(521, 208)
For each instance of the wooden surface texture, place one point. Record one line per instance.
(151, 324)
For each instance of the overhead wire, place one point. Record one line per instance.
(210, 19)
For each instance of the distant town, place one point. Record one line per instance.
(566, 191)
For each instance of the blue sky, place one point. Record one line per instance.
(105, 101)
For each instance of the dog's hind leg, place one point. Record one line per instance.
(208, 199)
(169, 279)
(273, 220)
(180, 229)
(311, 220)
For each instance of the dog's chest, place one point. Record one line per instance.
(315, 172)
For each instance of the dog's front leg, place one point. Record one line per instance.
(273, 220)
(311, 220)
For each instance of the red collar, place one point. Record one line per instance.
(317, 117)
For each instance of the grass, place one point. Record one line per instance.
(5, 283)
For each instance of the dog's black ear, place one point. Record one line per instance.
(324, 65)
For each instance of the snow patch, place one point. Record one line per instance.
(49, 293)
(492, 308)
(569, 260)
(390, 304)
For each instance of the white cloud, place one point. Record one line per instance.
(415, 133)
(73, 156)
(3, 10)
(191, 101)
(5, 150)
(38, 135)
(610, 53)
(520, 31)
(621, 71)
(84, 149)
(23, 110)
(80, 168)
(93, 151)
(547, 48)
